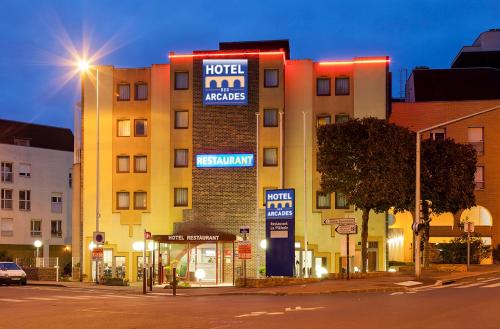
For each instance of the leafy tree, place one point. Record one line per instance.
(447, 181)
(4, 256)
(455, 252)
(368, 160)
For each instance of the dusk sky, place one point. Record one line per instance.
(35, 38)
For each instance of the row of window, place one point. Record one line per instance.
(7, 228)
(323, 86)
(271, 79)
(7, 171)
(475, 137)
(123, 200)
(140, 128)
(140, 91)
(7, 200)
(123, 164)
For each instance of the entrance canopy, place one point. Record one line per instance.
(191, 232)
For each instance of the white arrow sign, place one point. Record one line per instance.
(347, 229)
(339, 221)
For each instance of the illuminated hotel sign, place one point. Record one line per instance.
(225, 82)
(224, 160)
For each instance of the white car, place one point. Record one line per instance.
(11, 273)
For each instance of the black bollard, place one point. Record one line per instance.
(174, 283)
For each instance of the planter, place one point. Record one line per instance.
(115, 282)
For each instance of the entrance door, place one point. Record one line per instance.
(372, 256)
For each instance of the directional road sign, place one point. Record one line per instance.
(339, 221)
(347, 229)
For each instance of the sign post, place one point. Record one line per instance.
(468, 227)
(345, 226)
(144, 273)
(245, 251)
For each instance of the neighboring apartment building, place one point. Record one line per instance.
(177, 156)
(36, 163)
(435, 96)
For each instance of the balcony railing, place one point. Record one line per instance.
(7, 233)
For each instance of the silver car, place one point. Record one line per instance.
(11, 273)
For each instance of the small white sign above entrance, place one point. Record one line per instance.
(339, 221)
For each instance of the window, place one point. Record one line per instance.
(476, 139)
(271, 78)
(181, 80)
(6, 200)
(36, 227)
(56, 228)
(123, 163)
(123, 128)
(25, 170)
(270, 156)
(340, 118)
(323, 87)
(264, 193)
(341, 86)
(181, 158)
(6, 168)
(180, 197)
(323, 200)
(124, 92)
(479, 178)
(7, 227)
(340, 201)
(21, 141)
(141, 128)
(322, 120)
(56, 202)
(25, 200)
(438, 134)
(122, 200)
(70, 180)
(140, 200)
(141, 91)
(181, 119)
(270, 118)
(140, 163)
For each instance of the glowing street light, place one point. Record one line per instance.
(37, 245)
(83, 65)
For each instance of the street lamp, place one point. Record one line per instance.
(37, 245)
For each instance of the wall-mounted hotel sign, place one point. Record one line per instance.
(225, 82)
(224, 160)
(193, 238)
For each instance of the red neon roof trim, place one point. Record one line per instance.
(359, 61)
(227, 54)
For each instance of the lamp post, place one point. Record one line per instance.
(416, 218)
(37, 245)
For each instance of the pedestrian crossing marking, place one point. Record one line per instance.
(9, 300)
(408, 283)
(469, 285)
(40, 298)
(489, 280)
(494, 285)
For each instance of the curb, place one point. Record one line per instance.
(31, 283)
(462, 277)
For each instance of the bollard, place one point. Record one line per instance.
(151, 278)
(174, 283)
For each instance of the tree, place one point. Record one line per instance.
(368, 160)
(448, 170)
(455, 252)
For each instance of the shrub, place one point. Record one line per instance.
(455, 252)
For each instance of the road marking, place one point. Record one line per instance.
(275, 313)
(489, 280)
(40, 298)
(494, 285)
(288, 309)
(71, 297)
(469, 285)
(9, 300)
(409, 283)
(397, 293)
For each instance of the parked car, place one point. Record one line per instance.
(11, 273)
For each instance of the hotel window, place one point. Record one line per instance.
(270, 118)
(6, 200)
(122, 200)
(123, 92)
(476, 139)
(180, 197)
(340, 118)
(323, 87)
(438, 134)
(181, 119)
(25, 200)
(181, 158)
(340, 201)
(140, 163)
(36, 227)
(140, 200)
(270, 157)
(271, 78)
(123, 128)
(264, 193)
(123, 163)
(479, 178)
(7, 227)
(141, 91)
(56, 202)
(25, 170)
(323, 200)
(181, 80)
(7, 172)
(341, 86)
(322, 120)
(56, 228)
(141, 127)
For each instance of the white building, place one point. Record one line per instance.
(35, 190)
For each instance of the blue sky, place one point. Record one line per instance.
(140, 33)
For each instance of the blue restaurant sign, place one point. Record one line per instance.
(225, 82)
(280, 232)
(224, 160)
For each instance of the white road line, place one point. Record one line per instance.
(469, 285)
(40, 298)
(494, 285)
(409, 283)
(121, 296)
(397, 293)
(489, 280)
(9, 300)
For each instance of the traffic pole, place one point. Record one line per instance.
(144, 265)
(468, 246)
(348, 256)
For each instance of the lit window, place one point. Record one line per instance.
(36, 227)
(7, 227)
(270, 118)
(181, 80)
(323, 200)
(122, 200)
(476, 139)
(323, 87)
(56, 228)
(141, 127)
(181, 158)
(180, 197)
(123, 163)
(123, 128)
(25, 170)
(341, 86)
(124, 92)
(270, 156)
(271, 78)
(181, 119)
(140, 200)
(479, 178)
(341, 118)
(322, 120)
(6, 199)
(56, 202)
(25, 200)
(141, 91)
(340, 201)
(140, 163)
(7, 172)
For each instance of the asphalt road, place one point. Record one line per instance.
(470, 304)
